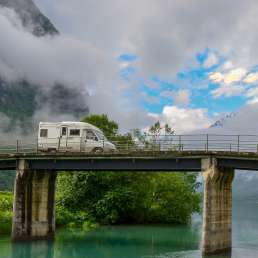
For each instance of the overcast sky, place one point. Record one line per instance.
(186, 63)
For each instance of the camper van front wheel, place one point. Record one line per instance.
(97, 150)
(51, 150)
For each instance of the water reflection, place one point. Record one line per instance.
(140, 241)
(37, 249)
(127, 242)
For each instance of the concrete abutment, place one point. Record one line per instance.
(34, 202)
(217, 208)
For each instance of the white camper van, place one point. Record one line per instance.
(72, 136)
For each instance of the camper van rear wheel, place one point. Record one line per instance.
(97, 150)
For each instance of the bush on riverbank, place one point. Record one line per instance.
(6, 205)
(128, 198)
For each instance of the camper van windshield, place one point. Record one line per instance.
(100, 136)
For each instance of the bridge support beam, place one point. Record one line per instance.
(34, 200)
(217, 209)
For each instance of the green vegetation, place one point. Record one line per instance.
(127, 197)
(6, 205)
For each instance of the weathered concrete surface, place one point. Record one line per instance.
(217, 210)
(33, 209)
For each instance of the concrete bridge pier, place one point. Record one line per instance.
(33, 208)
(217, 209)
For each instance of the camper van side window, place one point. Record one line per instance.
(43, 132)
(75, 132)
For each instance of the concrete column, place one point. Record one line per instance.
(217, 208)
(34, 200)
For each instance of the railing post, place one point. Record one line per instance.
(59, 141)
(257, 148)
(238, 143)
(37, 146)
(17, 146)
(207, 142)
(230, 147)
(180, 142)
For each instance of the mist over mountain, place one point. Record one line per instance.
(22, 103)
(31, 17)
(223, 120)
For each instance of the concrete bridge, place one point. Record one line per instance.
(34, 194)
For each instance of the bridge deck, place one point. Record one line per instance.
(130, 161)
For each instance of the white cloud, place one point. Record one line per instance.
(251, 78)
(211, 60)
(183, 120)
(234, 75)
(180, 97)
(228, 91)
(216, 77)
(228, 82)
(227, 65)
(144, 27)
(253, 92)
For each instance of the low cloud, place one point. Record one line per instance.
(49, 60)
(184, 120)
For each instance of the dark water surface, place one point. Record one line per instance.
(140, 241)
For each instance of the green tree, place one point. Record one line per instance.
(109, 127)
(130, 197)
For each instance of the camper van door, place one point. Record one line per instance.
(63, 138)
(92, 142)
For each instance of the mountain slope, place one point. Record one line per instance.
(31, 17)
(20, 101)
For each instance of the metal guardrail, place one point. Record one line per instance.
(176, 143)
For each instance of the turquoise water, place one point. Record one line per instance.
(140, 241)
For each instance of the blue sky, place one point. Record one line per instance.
(196, 82)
